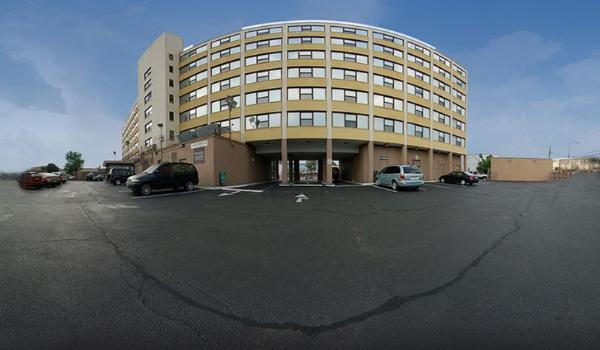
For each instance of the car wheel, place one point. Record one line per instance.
(189, 186)
(377, 182)
(394, 186)
(463, 182)
(117, 182)
(145, 189)
(442, 180)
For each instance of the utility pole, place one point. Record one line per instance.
(549, 151)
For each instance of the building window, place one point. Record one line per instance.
(269, 57)
(306, 28)
(147, 73)
(389, 65)
(349, 74)
(225, 67)
(171, 116)
(388, 125)
(419, 75)
(388, 82)
(191, 65)
(307, 119)
(350, 96)
(349, 57)
(419, 60)
(225, 40)
(306, 72)
(263, 43)
(388, 50)
(417, 91)
(148, 97)
(306, 55)
(458, 109)
(442, 59)
(193, 113)
(459, 82)
(417, 130)
(171, 99)
(193, 79)
(458, 141)
(235, 125)
(458, 95)
(440, 117)
(148, 142)
(387, 102)
(170, 57)
(170, 69)
(272, 120)
(440, 85)
(419, 48)
(459, 70)
(266, 96)
(437, 99)
(264, 31)
(273, 74)
(392, 39)
(193, 95)
(306, 93)
(194, 52)
(417, 110)
(306, 40)
(441, 72)
(225, 84)
(349, 120)
(221, 105)
(457, 124)
(148, 127)
(171, 83)
(336, 29)
(226, 52)
(440, 136)
(148, 84)
(349, 42)
(148, 112)
(199, 155)
(171, 135)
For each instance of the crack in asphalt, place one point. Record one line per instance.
(391, 304)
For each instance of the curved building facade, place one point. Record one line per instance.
(338, 93)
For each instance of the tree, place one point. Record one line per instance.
(52, 168)
(74, 162)
(483, 166)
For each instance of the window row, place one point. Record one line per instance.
(440, 136)
(226, 52)
(418, 60)
(306, 40)
(388, 50)
(264, 31)
(349, 42)
(229, 39)
(263, 43)
(419, 48)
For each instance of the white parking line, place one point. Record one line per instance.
(383, 188)
(166, 194)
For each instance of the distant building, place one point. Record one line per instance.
(577, 164)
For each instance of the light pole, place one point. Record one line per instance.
(570, 143)
(160, 125)
(231, 104)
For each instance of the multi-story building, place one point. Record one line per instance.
(129, 135)
(335, 92)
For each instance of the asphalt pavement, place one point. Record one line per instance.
(496, 265)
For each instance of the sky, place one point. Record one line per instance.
(68, 68)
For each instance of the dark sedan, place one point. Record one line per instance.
(459, 177)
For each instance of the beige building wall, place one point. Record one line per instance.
(520, 169)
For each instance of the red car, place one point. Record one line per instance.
(50, 180)
(29, 179)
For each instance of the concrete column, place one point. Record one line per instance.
(329, 162)
(450, 162)
(284, 162)
(370, 161)
(404, 154)
(430, 164)
(462, 162)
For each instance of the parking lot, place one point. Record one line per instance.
(494, 265)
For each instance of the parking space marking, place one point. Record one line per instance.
(229, 193)
(439, 186)
(166, 194)
(118, 206)
(383, 188)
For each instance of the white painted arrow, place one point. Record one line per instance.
(229, 193)
(300, 197)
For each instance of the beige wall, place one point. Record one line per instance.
(520, 169)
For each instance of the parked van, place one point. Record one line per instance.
(164, 175)
(397, 176)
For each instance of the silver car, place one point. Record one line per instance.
(396, 176)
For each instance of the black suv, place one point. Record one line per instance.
(119, 176)
(164, 175)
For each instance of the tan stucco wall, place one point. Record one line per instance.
(520, 169)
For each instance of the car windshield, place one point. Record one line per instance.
(152, 169)
(411, 170)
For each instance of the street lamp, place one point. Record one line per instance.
(160, 125)
(231, 104)
(570, 143)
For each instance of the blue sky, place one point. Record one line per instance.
(68, 67)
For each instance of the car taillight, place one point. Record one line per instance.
(401, 176)
(471, 177)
